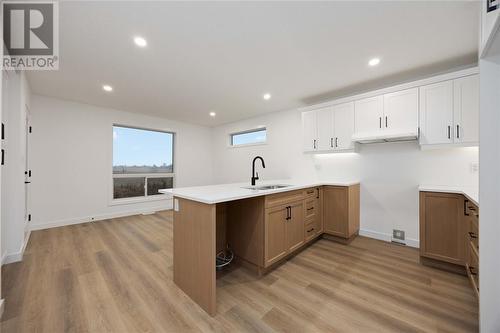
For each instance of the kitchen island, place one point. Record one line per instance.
(262, 225)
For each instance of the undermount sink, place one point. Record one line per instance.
(266, 187)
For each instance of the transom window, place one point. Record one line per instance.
(143, 162)
(249, 137)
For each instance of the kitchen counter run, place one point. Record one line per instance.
(213, 194)
(471, 193)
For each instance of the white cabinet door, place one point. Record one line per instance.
(436, 113)
(368, 115)
(309, 130)
(401, 111)
(324, 121)
(343, 125)
(466, 109)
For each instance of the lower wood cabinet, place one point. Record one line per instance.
(341, 210)
(292, 219)
(442, 230)
(284, 230)
(449, 233)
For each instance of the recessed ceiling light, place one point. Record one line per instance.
(139, 41)
(107, 87)
(212, 114)
(266, 96)
(374, 62)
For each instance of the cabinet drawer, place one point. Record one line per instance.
(473, 234)
(312, 208)
(312, 192)
(472, 267)
(310, 230)
(283, 198)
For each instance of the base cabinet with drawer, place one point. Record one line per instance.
(449, 237)
(293, 219)
(472, 239)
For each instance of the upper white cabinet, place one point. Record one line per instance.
(368, 114)
(343, 126)
(439, 111)
(309, 131)
(324, 119)
(329, 129)
(466, 109)
(389, 114)
(401, 111)
(436, 113)
(449, 112)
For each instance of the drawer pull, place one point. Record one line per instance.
(465, 207)
(472, 235)
(310, 208)
(471, 270)
(310, 230)
(310, 192)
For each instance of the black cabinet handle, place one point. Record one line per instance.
(449, 132)
(310, 208)
(458, 131)
(471, 270)
(3, 157)
(380, 122)
(465, 207)
(336, 142)
(331, 142)
(386, 121)
(310, 230)
(472, 235)
(314, 143)
(27, 182)
(317, 192)
(288, 212)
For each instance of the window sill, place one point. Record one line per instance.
(137, 200)
(248, 145)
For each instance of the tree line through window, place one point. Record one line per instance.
(143, 162)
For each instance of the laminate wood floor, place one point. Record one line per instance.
(116, 276)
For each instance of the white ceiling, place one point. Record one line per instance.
(222, 56)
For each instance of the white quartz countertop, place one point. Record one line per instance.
(212, 194)
(470, 192)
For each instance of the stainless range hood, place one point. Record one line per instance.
(385, 137)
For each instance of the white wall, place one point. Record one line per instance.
(389, 173)
(489, 194)
(72, 155)
(13, 190)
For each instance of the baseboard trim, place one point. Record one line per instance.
(10, 258)
(387, 237)
(2, 307)
(86, 219)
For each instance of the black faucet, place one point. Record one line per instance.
(254, 177)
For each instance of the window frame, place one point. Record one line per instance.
(145, 197)
(252, 130)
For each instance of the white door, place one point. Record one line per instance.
(343, 125)
(309, 130)
(466, 109)
(401, 111)
(324, 121)
(436, 113)
(368, 115)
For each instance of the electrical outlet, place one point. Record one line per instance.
(474, 167)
